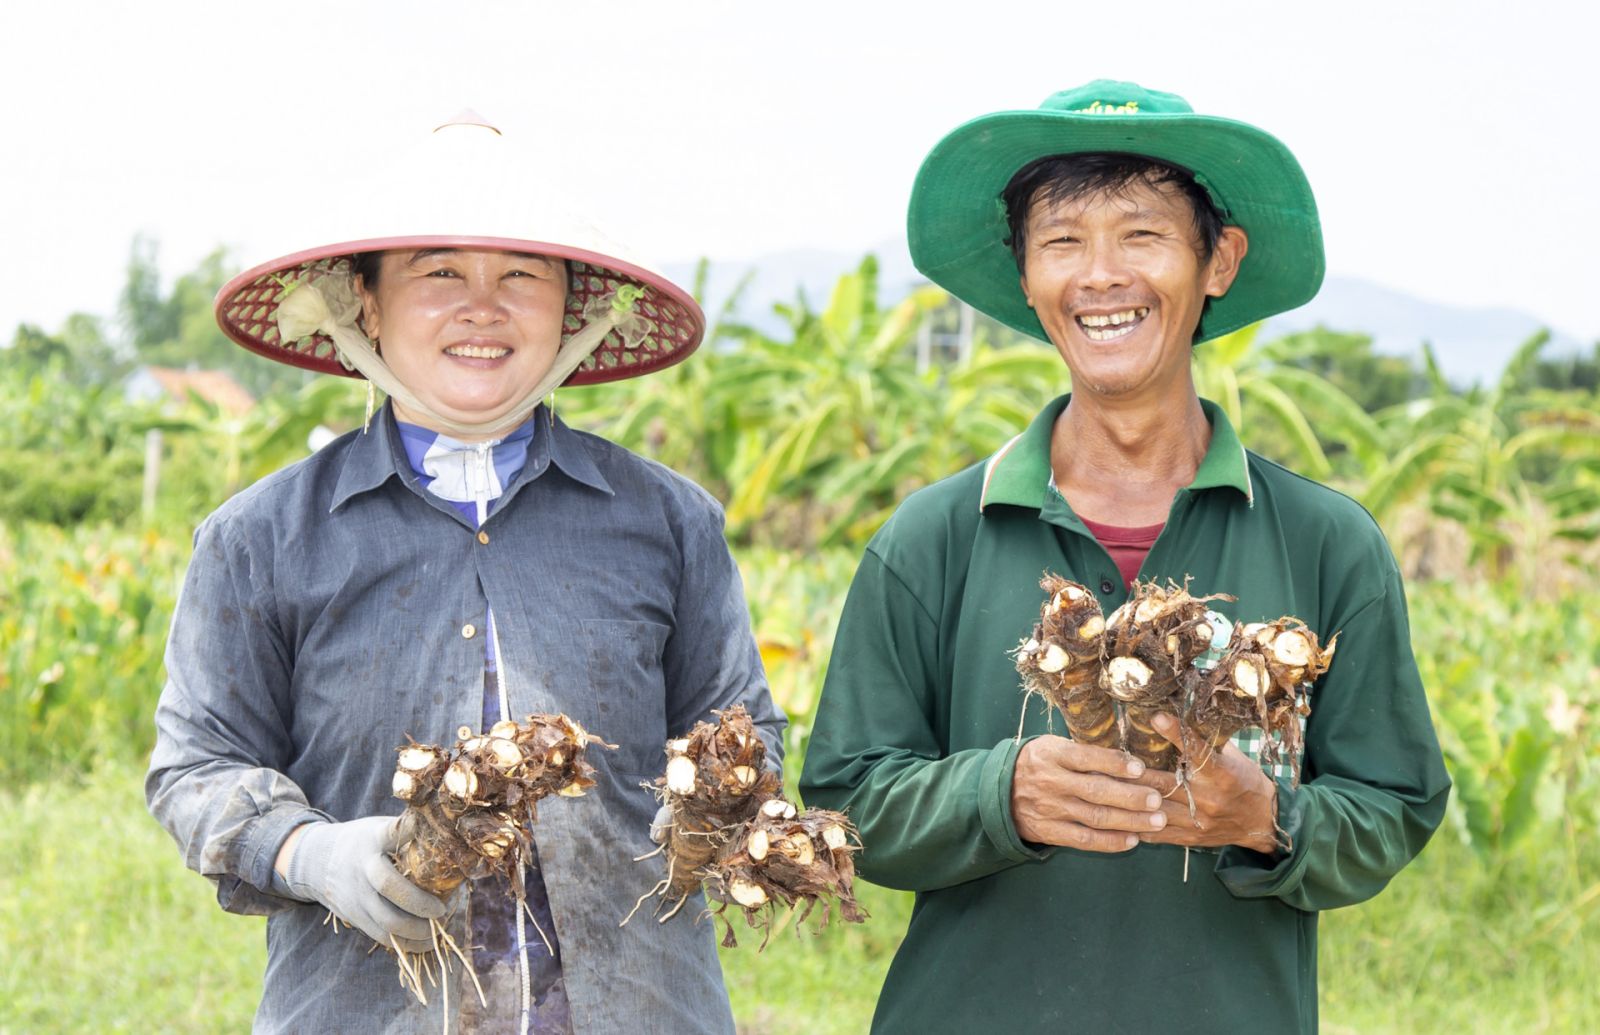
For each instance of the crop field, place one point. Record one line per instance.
(1490, 496)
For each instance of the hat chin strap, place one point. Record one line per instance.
(354, 346)
(328, 306)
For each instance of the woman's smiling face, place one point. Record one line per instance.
(1119, 285)
(469, 331)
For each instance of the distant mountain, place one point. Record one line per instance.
(1472, 344)
(782, 276)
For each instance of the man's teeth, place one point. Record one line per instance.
(1113, 319)
(1100, 327)
(477, 351)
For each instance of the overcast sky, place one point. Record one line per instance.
(1453, 147)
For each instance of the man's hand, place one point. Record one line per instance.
(1235, 803)
(346, 867)
(1071, 794)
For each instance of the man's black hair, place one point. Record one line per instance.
(1057, 178)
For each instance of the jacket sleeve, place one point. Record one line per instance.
(928, 819)
(711, 660)
(1375, 783)
(222, 726)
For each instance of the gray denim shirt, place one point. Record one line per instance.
(334, 609)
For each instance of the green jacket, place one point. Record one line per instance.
(916, 736)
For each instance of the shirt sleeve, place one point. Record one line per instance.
(1376, 785)
(222, 726)
(711, 660)
(928, 819)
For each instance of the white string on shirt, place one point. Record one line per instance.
(524, 979)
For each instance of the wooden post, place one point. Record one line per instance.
(964, 341)
(152, 473)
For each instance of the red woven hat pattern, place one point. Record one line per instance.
(247, 312)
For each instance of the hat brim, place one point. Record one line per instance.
(246, 307)
(956, 225)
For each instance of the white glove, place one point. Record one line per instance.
(660, 825)
(346, 867)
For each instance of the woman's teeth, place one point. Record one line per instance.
(1111, 325)
(477, 351)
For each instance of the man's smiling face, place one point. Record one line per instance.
(1118, 280)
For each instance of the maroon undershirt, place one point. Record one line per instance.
(1128, 547)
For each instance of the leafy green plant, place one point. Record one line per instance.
(83, 622)
(73, 452)
(1515, 686)
(684, 416)
(795, 600)
(1498, 462)
(812, 436)
(1272, 397)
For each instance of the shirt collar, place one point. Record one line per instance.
(378, 455)
(1019, 472)
(1226, 465)
(566, 450)
(448, 467)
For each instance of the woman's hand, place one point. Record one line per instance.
(346, 867)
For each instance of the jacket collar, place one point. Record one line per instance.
(1018, 473)
(376, 456)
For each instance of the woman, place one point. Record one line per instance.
(463, 558)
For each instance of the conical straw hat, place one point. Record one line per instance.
(467, 185)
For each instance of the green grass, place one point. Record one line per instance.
(101, 929)
(1457, 945)
(823, 983)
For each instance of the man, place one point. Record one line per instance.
(1053, 877)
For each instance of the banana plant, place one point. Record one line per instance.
(683, 416)
(1511, 681)
(1496, 760)
(839, 412)
(844, 423)
(1506, 465)
(1272, 399)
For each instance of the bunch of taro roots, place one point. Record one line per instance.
(1165, 651)
(733, 831)
(470, 812)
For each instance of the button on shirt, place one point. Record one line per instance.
(506, 956)
(1128, 547)
(321, 623)
(916, 735)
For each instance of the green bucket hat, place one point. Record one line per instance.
(956, 225)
